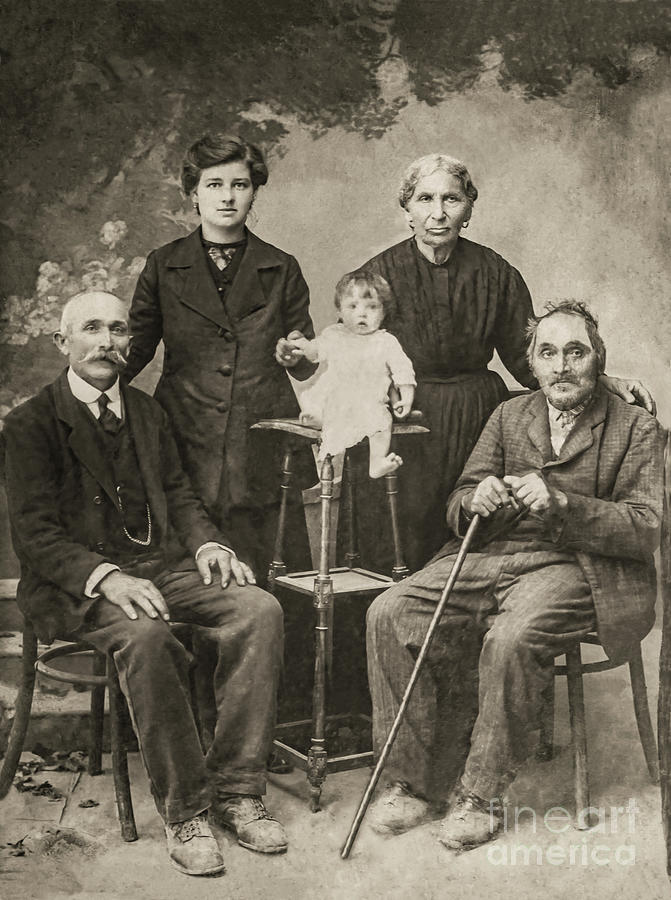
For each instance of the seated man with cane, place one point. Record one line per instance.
(113, 545)
(568, 484)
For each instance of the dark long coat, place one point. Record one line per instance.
(219, 372)
(59, 483)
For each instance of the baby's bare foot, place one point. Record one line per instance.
(385, 466)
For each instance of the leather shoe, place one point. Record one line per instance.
(249, 820)
(471, 821)
(397, 810)
(192, 847)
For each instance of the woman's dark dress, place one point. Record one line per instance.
(449, 319)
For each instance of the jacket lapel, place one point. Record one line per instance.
(539, 427)
(199, 291)
(86, 440)
(581, 436)
(246, 293)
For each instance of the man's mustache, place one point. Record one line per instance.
(114, 356)
(565, 379)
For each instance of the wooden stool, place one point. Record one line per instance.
(325, 585)
(574, 669)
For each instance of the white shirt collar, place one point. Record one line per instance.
(87, 393)
(555, 413)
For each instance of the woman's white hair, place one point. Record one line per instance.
(426, 165)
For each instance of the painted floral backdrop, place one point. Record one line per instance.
(101, 98)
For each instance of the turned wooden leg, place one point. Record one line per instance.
(349, 499)
(323, 601)
(24, 702)
(316, 767)
(97, 718)
(400, 570)
(576, 705)
(642, 712)
(119, 759)
(546, 743)
(278, 566)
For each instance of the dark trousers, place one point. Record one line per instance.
(242, 627)
(509, 615)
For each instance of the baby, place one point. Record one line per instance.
(359, 363)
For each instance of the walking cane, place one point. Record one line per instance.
(391, 737)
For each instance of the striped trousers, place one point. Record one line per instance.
(488, 670)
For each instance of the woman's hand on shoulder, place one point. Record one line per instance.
(630, 390)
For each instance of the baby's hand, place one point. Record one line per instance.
(290, 350)
(402, 409)
(306, 348)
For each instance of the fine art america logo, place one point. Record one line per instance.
(619, 821)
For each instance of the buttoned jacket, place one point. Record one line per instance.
(58, 485)
(219, 372)
(611, 470)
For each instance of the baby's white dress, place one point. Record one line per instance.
(350, 394)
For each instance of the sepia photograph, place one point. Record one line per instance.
(335, 473)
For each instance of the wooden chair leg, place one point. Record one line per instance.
(97, 719)
(399, 570)
(119, 759)
(24, 702)
(547, 724)
(576, 705)
(323, 601)
(277, 565)
(642, 711)
(349, 498)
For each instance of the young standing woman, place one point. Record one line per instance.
(222, 300)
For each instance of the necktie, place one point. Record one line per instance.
(221, 256)
(567, 418)
(108, 421)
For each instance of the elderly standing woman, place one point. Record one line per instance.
(454, 302)
(222, 299)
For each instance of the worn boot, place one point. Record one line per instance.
(471, 821)
(192, 847)
(249, 820)
(397, 810)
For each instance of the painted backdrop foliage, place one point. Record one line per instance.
(100, 100)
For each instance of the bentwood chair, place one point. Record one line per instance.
(574, 669)
(102, 677)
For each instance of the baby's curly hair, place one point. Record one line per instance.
(371, 283)
(570, 308)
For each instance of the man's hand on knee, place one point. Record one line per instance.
(127, 592)
(227, 563)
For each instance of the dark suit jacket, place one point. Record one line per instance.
(219, 372)
(58, 483)
(611, 468)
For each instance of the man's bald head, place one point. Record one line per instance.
(94, 336)
(88, 301)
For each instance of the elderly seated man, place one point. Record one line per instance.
(568, 482)
(114, 544)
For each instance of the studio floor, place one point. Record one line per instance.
(539, 855)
